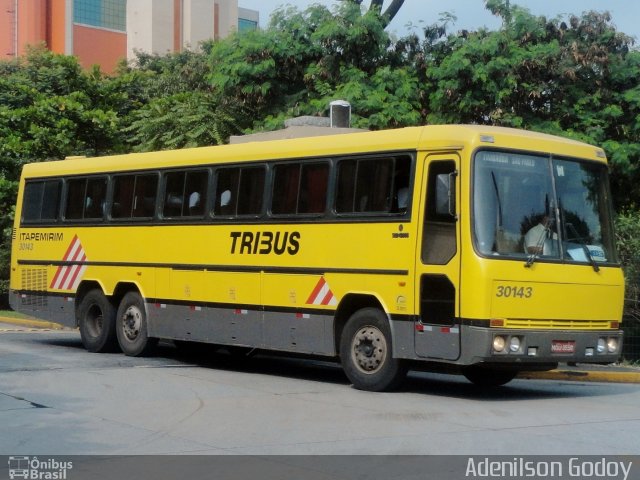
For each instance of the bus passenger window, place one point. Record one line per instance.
(286, 184)
(74, 208)
(41, 201)
(96, 198)
(227, 180)
(184, 194)
(173, 194)
(86, 198)
(144, 202)
(373, 185)
(196, 193)
(239, 191)
(251, 191)
(300, 188)
(134, 196)
(313, 188)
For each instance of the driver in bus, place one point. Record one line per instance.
(536, 240)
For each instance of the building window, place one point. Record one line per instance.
(245, 25)
(109, 14)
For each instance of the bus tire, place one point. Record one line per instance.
(366, 352)
(488, 377)
(97, 322)
(131, 327)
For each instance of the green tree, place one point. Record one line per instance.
(577, 79)
(176, 105)
(49, 108)
(306, 59)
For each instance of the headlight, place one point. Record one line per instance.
(514, 344)
(602, 345)
(498, 343)
(612, 344)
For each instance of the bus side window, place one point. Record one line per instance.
(85, 198)
(300, 188)
(41, 201)
(373, 185)
(227, 180)
(76, 189)
(286, 185)
(239, 191)
(439, 234)
(96, 198)
(144, 202)
(134, 196)
(173, 194)
(195, 193)
(314, 183)
(185, 193)
(251, 191)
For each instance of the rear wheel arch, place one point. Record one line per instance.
(84, 288)
(122, 288)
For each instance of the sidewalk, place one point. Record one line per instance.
(579, 373)
(588, 373)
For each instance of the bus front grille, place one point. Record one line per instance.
(546, 324)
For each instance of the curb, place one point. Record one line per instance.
(584, 376)
(28, 322)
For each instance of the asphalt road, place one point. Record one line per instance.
(58, 399)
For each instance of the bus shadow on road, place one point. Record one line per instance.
(285, 365)
(517, 390)
(239, 359)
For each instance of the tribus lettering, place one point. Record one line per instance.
(264, 243)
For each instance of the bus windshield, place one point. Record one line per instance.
(532, 206)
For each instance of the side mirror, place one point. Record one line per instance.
(446, 194)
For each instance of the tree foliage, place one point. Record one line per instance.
(574, 78)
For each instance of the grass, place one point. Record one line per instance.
(12, 314)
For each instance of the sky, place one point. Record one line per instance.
(472, 14)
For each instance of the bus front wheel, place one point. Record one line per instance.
(131, 327)
(97, 322)
(366, 352)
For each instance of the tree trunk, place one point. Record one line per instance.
(389, 14)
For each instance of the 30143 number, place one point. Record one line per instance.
(505, 291)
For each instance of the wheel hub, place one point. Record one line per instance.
(131, 321)
(369, 349)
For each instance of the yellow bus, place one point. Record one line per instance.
(485, 251)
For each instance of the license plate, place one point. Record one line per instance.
(563, 346)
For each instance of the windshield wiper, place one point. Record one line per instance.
(578, 238)
(495, 186)
(538, 248)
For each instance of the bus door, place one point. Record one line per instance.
(437, 331)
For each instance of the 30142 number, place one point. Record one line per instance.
(505, 291)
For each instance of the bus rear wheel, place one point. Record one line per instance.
(488, 377)
(366, 352)
(97, 322)
(131, 327)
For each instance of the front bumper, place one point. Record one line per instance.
(538, 346)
